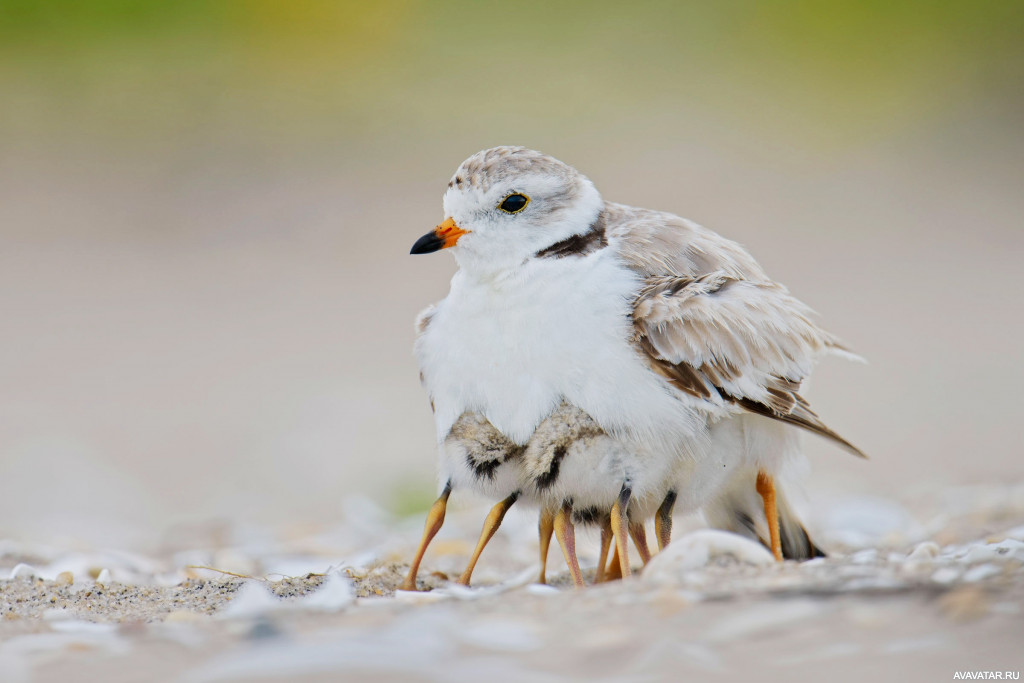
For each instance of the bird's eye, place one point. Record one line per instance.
(514, 203)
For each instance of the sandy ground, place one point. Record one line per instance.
(910, 592)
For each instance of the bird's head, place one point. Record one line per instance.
(505, 205)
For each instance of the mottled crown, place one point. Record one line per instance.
(491, 166)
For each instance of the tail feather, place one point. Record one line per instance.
(802, 416)
(741, 511)
(797, 543)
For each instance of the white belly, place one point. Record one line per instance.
(513, 349)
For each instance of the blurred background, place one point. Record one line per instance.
(206, 298)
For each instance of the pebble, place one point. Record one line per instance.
(419, 597)
(924, 551)
(698, 548)
(946, 575)
(981, 572)
(1008, 549)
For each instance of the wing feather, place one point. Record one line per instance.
(711, 322)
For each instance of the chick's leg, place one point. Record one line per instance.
(566, 536)
(435, 518)
(619, 527)
(639, 536)
(606, 542)
(766, 488)
(614, 572)
(491, 524)
(545, 527)
(663, 520)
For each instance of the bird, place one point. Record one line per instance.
(607, 364)
(720, 329)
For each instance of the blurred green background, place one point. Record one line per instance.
(281, 75)
(206, 209)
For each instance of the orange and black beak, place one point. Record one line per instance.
(442, 237)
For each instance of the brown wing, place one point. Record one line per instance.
(727, 340)
(729, 335)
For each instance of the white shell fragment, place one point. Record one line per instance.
(23, 570)
(697, 549)
(252, 601)
(336, 593)
(1008, 549)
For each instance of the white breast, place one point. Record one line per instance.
(511, 349)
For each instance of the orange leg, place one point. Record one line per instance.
(663, 520)
(606, 542)
(639, 536)
(566, 536)
(491, 524)
(614, 572)
(435, 518)
(545, 528)
(766, 488)
(619, 528)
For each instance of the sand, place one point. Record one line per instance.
(916, 590)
